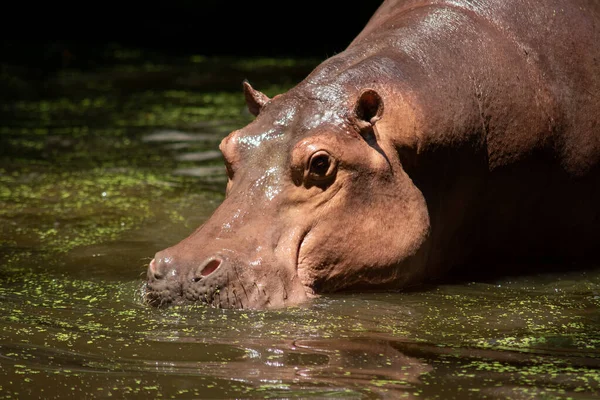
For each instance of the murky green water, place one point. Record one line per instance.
(101, 168)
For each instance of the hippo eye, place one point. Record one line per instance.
(321, 165)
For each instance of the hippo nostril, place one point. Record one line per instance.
(154, 271)
(207, 268)
(210, 267)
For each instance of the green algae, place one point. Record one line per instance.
(74, 209)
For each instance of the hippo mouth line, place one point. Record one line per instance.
(307, 289)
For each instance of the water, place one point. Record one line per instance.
(101, 168)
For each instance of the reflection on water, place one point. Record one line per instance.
(107, 167)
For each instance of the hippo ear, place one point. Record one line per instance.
(368, 110)
(255, 100)
(369, 107)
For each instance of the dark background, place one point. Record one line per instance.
(176, 28)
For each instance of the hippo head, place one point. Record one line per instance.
(317, 201)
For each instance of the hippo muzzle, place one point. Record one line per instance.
(220, 281)
(216, 267)
(170, 284)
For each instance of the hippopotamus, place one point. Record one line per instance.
(450, 137)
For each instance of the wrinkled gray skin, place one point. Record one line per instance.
(449, 136)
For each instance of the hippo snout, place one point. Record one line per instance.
(172, 281)
(163, 285)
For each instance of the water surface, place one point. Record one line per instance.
(100, 168)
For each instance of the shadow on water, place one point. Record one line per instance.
(101, 168)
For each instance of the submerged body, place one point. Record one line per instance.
(449, 134)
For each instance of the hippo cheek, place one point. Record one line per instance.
(382, 245)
